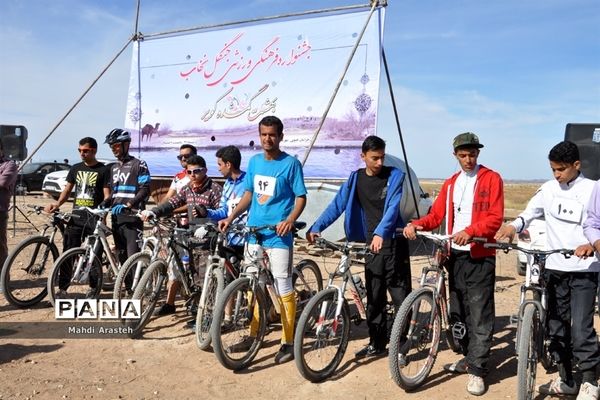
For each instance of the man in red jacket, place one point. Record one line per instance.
(472, 204)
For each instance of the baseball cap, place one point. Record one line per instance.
(467, 139)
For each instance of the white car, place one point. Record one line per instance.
(54, 183)
(534, 237)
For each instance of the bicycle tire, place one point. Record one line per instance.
(310, 284)
(205, 315)
(148, 291)
(130, 266)
(317, 334)
(33, 286)
(414, 341)
(527, 356)
(226, 337)
(66, 263)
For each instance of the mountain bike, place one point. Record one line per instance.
(532, 342)
(323, 329)
(251, 301)
(152, 247)
(152, 284)
(417, 329)
(79, 272)
(24, 274)
(223, 267)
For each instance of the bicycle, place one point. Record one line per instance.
(78, 272)
(531, 343)
(223, 267)
(416, 332)
(150, 287)
(151, 248)
(251, 299)
(23, 277)
(323, 329)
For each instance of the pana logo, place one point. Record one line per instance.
(97, 309)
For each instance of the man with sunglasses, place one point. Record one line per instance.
(181, 178)
(89, 179)
(201, 193)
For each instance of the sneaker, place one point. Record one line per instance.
(191, 324)
(457, 367)
(475, 386)
(587, 391)
(91, 293)
(242, 346)
(165, 309)
(557, 386)
(61, 294)
(370, 351)
(285, 354)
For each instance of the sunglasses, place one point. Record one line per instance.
(183, 156)
(195, 171)
(84, 151)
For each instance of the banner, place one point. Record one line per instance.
(211, 88)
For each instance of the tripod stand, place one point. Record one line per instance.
(14, 207)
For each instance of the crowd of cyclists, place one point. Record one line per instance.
(470, 204)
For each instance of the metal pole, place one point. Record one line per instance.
(298, 14)
(387, 74)
(75, 105)
(339, 83)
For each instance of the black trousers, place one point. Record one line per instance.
(471, 282)
(127, 233)
(3, 237)
(73, 237)
(571, 297)
(389, 270)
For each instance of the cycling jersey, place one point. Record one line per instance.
(130, 182)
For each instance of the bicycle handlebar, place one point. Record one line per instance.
(510, 246)
(345, 248)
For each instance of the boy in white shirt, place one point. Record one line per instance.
(571, 283)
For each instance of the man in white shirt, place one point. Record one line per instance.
(572, 283)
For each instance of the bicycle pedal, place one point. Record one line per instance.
(514, 319)
(459, 330)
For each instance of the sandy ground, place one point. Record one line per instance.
(166, 364)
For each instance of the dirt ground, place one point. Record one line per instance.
(166, 364)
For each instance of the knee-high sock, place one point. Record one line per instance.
(288, 316)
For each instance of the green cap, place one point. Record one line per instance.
(467, 139)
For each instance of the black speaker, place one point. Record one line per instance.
(14, 139)
(587, 139)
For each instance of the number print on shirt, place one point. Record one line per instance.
(567, 210)
(264, 187)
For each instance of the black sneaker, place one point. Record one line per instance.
(370, 351)
(242, 346)
(165, 309)
(285, 354)
(191, 324)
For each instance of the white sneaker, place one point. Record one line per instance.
(475, 386)
(587, 391)
(557, 386)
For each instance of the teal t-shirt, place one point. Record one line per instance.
(274, 184)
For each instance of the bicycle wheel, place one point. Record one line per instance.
(321, 336)
(239, 324)
(24, 277)
(527, 354)
(130, 273)
(307, 281)
(148, 291)
(204, 317)
(63, 285)
(414, 340)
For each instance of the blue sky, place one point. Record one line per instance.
(514, 72)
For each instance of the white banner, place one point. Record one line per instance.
(211, 89)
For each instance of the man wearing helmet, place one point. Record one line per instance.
(130, 187)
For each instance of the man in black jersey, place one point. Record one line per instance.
(89, 179)
(130, 188)
(370, 199)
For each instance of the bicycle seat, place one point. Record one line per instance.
(298, 225)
